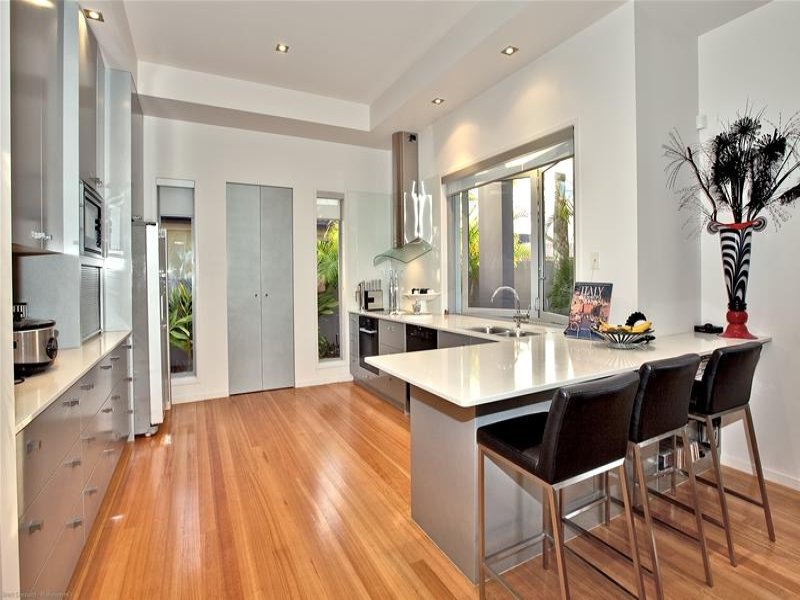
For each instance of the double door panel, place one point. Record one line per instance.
(260, 288)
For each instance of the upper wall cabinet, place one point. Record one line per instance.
(90, 122)
(36, 126)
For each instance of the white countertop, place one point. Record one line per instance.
(480, 374)
(38, 391)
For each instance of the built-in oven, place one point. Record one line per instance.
(367, 341)
(91, 220)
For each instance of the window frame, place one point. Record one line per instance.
(457, 242)
(324, 363)
(185, 377)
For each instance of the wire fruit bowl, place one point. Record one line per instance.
(626, 340)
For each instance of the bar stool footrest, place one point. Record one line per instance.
(590, 535)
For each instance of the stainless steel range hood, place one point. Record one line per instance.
(410, 207)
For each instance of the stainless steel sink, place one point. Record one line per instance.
(491, 329)
(503, 331)
(517, 333)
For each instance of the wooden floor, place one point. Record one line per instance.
(305, 494)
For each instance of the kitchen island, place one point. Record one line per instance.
(454, 391)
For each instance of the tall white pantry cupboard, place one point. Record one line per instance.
(260, 288)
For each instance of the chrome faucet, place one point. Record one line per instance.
(519, 316)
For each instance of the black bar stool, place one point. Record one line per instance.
(725, 391)
(585, 434)
(661, 411)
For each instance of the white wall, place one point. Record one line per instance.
(212, 156)
(754, 58)
(589, 82)
(666, 99)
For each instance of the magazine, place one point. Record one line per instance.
(591, 303)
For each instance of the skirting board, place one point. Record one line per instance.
(769, 474)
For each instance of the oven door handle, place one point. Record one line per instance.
(368, 331)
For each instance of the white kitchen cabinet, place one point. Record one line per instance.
(36, 117)
(91, 95)
(66, 457)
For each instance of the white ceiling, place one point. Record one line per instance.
(387, 58)
(347, 50)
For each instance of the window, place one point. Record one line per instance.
(329, 321)
(513, 224)
(176, 216)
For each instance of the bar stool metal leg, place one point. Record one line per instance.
(607, 503)
(481, 526)
(698, 514)
(558, 540)
(637, 569)
(545, 530)
(756, 459)
(673, 479)
(723, 502)
(561, 508)
(648, 518)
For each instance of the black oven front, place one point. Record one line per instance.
(367, 341)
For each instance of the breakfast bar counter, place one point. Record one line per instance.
(454, 391)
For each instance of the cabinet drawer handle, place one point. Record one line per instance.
(89, 438)
(75, 462)
(71, 402)
(129, 411)
(114, 358)
(116, 397)
(87, 387)
(90, 491)
(106, 367)
(107, 410)
(74, 523)
(33, 446)
(127, 346)
(34, 526)
(109, 451)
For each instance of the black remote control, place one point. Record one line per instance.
(708, 328)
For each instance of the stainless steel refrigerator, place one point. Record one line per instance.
(151, 371)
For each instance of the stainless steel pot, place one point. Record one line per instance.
(35, 345)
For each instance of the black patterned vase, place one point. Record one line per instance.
(735, 241)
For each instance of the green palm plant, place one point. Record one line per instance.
(180, 318)
(328, 257)
(560, 294)
(327, 281)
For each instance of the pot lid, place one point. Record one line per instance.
(31, 324)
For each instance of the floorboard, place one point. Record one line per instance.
(304, 493)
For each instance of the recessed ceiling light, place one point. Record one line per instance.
(509, 50)
(282, 48)
(437, 101)
(93, 14)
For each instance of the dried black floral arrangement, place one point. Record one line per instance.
(742, 170)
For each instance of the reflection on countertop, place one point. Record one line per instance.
(38, 391)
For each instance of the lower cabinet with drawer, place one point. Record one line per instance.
(66, 458)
